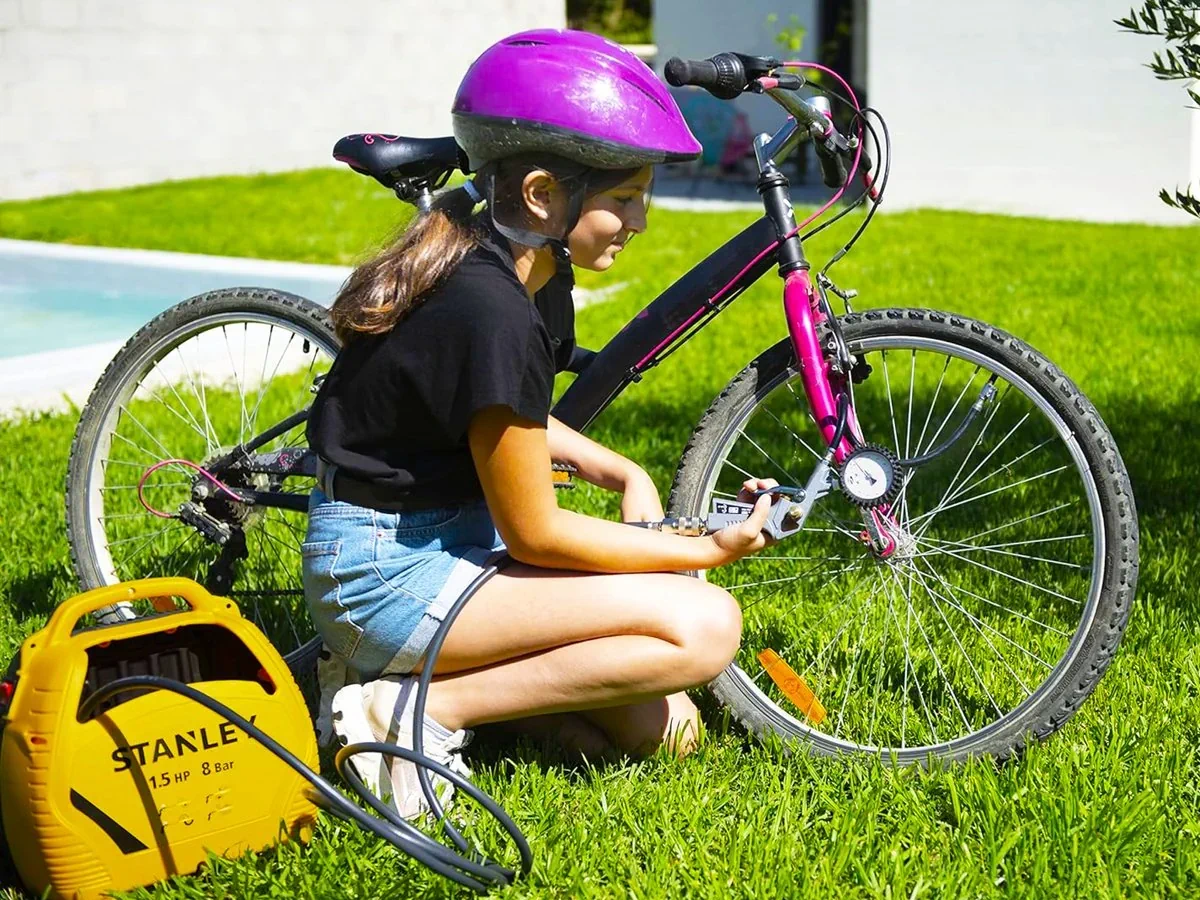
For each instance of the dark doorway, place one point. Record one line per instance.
(843, 41)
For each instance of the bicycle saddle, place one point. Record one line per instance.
(389, 158)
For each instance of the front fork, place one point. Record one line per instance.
(802, 309)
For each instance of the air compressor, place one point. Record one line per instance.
(129, 752)
(110, 795)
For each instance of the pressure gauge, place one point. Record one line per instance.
(870, 476)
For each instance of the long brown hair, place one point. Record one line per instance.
(384, 289)
(381, 291)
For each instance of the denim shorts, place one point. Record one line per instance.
(378, 584)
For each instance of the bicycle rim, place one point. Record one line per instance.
(986, 604)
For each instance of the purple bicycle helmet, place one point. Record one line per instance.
(570, 93)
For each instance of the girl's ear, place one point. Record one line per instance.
(537, 193)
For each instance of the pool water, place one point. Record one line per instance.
(55, 297)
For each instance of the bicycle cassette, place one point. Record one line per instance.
(870, 476)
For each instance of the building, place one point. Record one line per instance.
(107, 93)
(1012, 106)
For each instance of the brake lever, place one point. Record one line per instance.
(787, 81)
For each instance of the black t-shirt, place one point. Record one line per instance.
(394, 407)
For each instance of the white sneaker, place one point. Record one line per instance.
(332, 675)
(383, 710)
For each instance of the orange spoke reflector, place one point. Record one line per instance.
(793, 686)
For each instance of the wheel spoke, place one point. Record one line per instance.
(967, 548)
(1002, 574)
(837, 730)
(961, 649)
(1008, 487)
(1010, 524)
(905, 590)
(817, 569)
(979, 437)
(887, 381)
(992, 567)
(167, 454)
(190, 420)
(786, 474)
(200, 395)
(946, 420)
(932, 404)
(1004, 468)
(788, 429)
(912, 374)
(979, 625)
(813, 627)
(1000, 634)
(1010, 610)
(172, 395)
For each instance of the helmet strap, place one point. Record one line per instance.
(537, 240)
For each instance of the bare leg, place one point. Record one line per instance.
(536, 641)
(572, 731)
(637, 729)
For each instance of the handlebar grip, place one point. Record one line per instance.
(722, 75)
(833, 167)
(700, 72)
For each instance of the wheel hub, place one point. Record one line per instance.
(219, 504)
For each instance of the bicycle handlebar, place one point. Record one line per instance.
(723, 75)
(726, 75)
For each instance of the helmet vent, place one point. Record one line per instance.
(525, 43)
(647, 93)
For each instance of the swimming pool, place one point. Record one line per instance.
(55, 297)
(65, 311)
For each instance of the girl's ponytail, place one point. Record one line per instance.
(381, 291)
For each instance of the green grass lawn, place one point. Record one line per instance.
(1107, 807)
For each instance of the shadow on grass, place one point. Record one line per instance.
(36, 593)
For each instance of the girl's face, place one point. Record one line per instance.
(608, 221)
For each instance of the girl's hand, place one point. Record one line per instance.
(639, 500)
(744, 538)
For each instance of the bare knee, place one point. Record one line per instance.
(709, 626)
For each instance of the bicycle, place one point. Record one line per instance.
(967, 569)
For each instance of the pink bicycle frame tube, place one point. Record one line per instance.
(803, 314)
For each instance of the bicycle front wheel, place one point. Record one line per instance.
(202, 378)
(1015, 561)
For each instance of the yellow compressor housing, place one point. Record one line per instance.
(144, 788)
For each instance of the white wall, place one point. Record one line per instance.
(106, 93)
(695, 29)
(1040, 107)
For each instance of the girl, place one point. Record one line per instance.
(436, 440)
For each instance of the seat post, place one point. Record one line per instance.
(424, 199)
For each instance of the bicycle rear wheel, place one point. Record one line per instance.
(1016, 558)
(203, 377)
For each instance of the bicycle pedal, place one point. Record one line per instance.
(560, 475)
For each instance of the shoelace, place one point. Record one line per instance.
(452, 752)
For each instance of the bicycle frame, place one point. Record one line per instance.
(668, 322)
(691, 303)
(715, 282)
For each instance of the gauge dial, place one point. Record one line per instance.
(869, 475)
